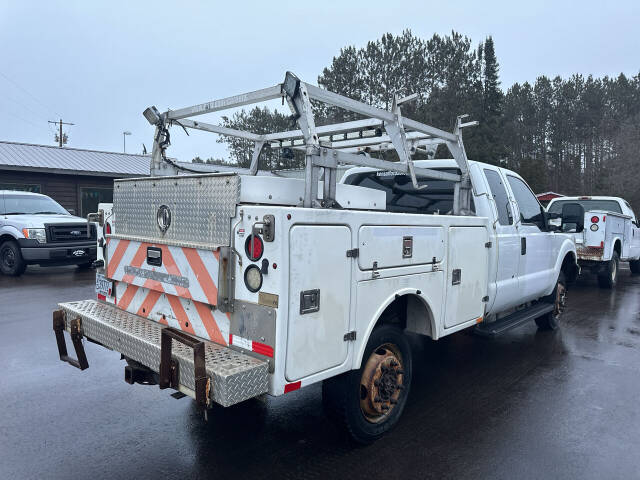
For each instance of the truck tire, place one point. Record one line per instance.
(368, 402)
(549, 321)
(609, 277)
(634, 265)
(11, 261)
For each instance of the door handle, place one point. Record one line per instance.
(523, 245)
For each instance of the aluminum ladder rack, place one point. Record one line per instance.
(327, 146)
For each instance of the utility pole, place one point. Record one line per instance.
(124, 141)
(60, 122)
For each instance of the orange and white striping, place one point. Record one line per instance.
(188, 315)
(186, 301)
(195, 270)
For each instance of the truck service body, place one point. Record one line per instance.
(229, 286)
(608, 234)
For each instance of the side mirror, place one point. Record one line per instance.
(572, 217)
(546, 217)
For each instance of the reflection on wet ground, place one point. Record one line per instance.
(528, 405)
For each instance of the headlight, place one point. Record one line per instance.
(35, 234)
(594, 227)
(253, 278)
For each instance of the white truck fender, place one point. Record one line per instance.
(11, 231)
(566, 248)
(362, 337)
(613, 244)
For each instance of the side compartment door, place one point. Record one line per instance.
(467, 271)
(319, 299)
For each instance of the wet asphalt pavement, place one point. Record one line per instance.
(528, 404)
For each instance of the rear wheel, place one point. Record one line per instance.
(369, 401)
(634, 265)
(609, 277)
(549, 321)
(11, 261)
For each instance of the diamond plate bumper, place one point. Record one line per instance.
(234, 376)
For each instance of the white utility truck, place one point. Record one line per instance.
(229, 286)
(606, 234)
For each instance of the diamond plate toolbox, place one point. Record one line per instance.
(200, 208)
(235, 377)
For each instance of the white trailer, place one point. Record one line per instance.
(226, 286)
(607, 234)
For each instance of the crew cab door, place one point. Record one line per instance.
(537, 258)
(633, 235)
(508, 243)
(319, 299)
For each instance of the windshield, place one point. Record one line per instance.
(594, 204)
(29, 204)
(436, 196)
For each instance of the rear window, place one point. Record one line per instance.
(606, 205)
(435, 198)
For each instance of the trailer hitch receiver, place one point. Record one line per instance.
(76, 338)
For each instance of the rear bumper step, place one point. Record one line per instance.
(231, 376)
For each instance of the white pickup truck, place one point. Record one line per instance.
(227, 286)
(607, 234)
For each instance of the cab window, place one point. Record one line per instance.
(505, 217)
(433, 196)
(530, 208)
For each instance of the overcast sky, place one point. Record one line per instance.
(100, 64)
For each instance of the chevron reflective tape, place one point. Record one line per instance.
(191, 316)
(184, 272)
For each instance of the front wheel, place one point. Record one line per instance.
(634, 265)
(609, 277)
(549, 321)
(11, 261)
(369, 401)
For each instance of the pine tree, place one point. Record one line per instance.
(488, 145)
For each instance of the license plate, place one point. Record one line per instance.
(103, 285)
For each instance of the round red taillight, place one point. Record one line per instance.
(254, 247)
(107, 228)
(594, 219)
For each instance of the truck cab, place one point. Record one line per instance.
(606, 233)
(36, 230)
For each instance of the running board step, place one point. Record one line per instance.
(227, 376)
(514, 320)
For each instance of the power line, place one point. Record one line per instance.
(22, 105)
(22, 119)
(33, 97)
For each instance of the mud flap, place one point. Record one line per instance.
(169, 373)
(76, 338)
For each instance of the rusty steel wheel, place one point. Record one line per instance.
(381, 383)
(558, 297)
(369, 401)
(561, 298)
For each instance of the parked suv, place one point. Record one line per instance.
(34, 229)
